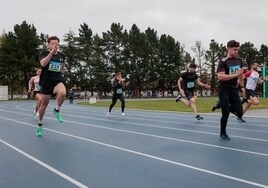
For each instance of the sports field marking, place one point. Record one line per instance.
(148, 125)
(175, 119)
(154, 136)
(169, 128)
(50, 168)
(189, 121)
(152, 157)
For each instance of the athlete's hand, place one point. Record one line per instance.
(240, 71)
(243, 92)
(54, 49)
(182, 92)
(207, 86)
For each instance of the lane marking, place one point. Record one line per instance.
(50, 168)
(161, 127)
(155, 136)
(152, 157)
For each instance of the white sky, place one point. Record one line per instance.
(185, 20)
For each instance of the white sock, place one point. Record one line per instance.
(57, 107)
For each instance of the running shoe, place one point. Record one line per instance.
(39, 130)
(241, 120)
(123, 114)
(225, 137)
(108, 114)
(57, 115)
(216, 106)
(198, 117)
(178, 98)
(244, 100)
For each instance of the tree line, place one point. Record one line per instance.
(149, 61)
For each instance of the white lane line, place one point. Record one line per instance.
(161, 127)
(188, 121)
(50, 168)
(156, 136)
(152, 157)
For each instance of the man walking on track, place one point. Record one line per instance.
(52, 63)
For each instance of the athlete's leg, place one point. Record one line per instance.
(43, 105)
(225, 108)
(246, 107)
(193, 106)
(255, 100)
(236, 105)
(114, 99)
(122, 99)
(38, 102)
(186, 102)
(60, 92)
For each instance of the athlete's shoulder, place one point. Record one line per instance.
(62, 54)
(248, 73)
(224, 59)
(44, 51)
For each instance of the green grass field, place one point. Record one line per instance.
(203, 104)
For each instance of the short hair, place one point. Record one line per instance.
(253, 62)
(192, 65)
(53, 38)
(117, 74)
(232, 44)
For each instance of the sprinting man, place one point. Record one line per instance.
(253, 78)
(52, 63)
(190, 79)
(218, 106)
(118, 93)
(230, 69)
(34, 81)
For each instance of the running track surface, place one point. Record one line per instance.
(144, 149)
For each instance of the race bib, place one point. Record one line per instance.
(233, 69)
(54, 66)
(119, 91)
(190, 84)
(255, 80)
(37, 87)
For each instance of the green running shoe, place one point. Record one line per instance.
(57, 115)
(39, 131)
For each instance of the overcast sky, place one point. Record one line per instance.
(185, 20)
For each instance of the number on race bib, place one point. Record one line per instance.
(119, 91)
(190, 84)
(54, 66)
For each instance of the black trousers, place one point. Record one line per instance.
(114, 99)
(230, 102)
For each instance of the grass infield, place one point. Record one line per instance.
(204, 104)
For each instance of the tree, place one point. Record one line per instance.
(85, 43)
(199, 51)
(248, 53)
(263, 55)
(171, 58)
(70, 49)
(212, 56)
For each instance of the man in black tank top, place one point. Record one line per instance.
(230, 70)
